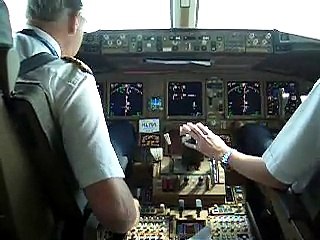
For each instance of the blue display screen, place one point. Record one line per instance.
(185, 99)
(126, 99)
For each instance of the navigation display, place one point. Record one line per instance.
(273, 92)
(126, 99)
(185, 99)
(244, 98)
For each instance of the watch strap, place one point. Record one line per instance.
(224, 160)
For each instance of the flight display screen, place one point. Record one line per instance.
(126, 99)
(185, 99)
(187, 229)
(244, 98)
(274, 90)
(155, 104)
(150, 140)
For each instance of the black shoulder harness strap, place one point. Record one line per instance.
(34, 62)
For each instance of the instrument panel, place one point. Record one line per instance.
(231, 220)
(223, 78)
(212, 41)
(214, 76)
(179, 41)
(211, 75)
(208, 99)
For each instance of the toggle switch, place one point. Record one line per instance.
(162, 208)
(198, 206)
(181, 207)
(200, 180)
(208, 183)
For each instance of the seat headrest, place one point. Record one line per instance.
(9, 61)
(5, 29)
(9, 70)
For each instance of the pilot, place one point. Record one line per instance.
(56, 27)
(290, 161)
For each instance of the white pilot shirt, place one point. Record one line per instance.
(294, 155)
(77, 108)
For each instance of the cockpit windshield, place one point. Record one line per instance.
(296, 17)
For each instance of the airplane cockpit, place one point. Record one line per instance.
(243, 84)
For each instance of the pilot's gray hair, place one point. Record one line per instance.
(51, 10)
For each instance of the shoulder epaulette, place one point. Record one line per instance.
(81, 65)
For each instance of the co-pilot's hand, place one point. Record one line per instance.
(184, 129)
(207, 142)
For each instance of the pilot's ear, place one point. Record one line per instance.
(73, 23)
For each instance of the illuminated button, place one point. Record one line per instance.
(200, 180)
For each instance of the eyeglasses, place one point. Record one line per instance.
(83, 21)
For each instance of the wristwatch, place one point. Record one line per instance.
(224, 160)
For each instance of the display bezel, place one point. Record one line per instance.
(103, 95)
(203, 99)
(108, 98)
(226, 100)
(186, 221)
(268, 116)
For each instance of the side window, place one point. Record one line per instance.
(17, 13)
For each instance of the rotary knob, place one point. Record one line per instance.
(110, 42)
(251, 35)
(268, 36)
(119, 42)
